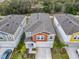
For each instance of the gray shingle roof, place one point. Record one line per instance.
(40, 22)
(69, 23)
(10, 23)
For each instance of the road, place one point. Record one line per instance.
(43, 53)
(72, 52)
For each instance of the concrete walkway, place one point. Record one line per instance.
(72, 53)
(43, 53)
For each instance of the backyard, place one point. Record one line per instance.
(58, 51)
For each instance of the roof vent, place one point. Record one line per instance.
(16, 23)
(67, 19)
(37, 16)
(13, 22)
(7, 24)
(10, 17)
(70, 22)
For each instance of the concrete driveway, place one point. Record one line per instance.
(72, 52)
(43, 53)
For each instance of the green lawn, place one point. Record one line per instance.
(21, 52)
(57, 55)
(56, 51)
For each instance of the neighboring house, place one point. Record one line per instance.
(39, 31)
(11, 29)
(67, 28)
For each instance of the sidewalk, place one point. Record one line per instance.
(72, 53)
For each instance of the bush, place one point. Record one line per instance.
(15, 7)
(47, 7)
(77, 6)
(59, 44)
(21, 47)
(71, 9)
(57, 8)
(62, 50)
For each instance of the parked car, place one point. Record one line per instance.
(6, 54)
(77, 51)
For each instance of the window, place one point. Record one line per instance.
(76, 37)
(51, 37)
(1, 37)
(38, 37)
(41, 37)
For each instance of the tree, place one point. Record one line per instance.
(15, 7)
(20, 6)
(47, 6)
(59, 44)
(77, 6)
(71, 9)
(58, 7)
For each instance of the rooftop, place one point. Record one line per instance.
(69, 23)
(10, 23)
(40, 22)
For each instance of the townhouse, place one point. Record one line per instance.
(11, 29)
(67, 28)
(39, 31)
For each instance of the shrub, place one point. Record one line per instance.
(71, 9)
(15, 7)
(57, 8)
(47, 7)
(62, 50)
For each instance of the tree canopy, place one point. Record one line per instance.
(15, 7)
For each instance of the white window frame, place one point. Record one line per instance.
(76, 37)
(40, 37)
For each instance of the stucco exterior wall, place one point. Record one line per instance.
(48, 43)
(27, 44)
(40, 44)
(45, 44)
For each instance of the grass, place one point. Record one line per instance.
(56, 51)
(57, 55)
(21, 52)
